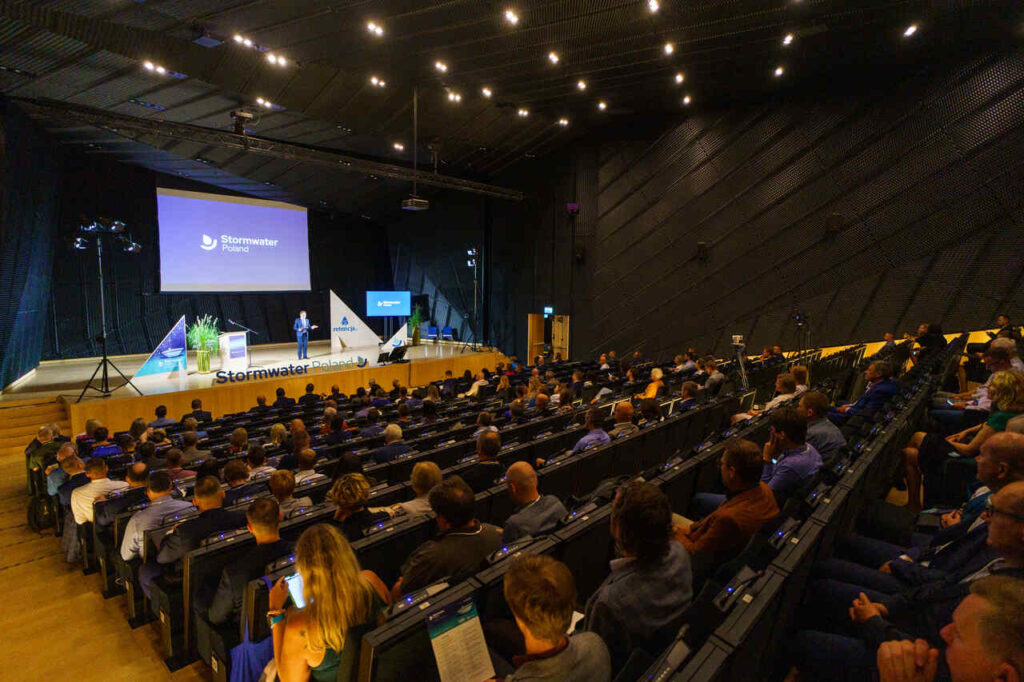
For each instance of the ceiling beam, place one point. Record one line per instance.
(119, 123)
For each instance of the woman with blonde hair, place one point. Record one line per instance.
(321, 640)
(504, 390)
(277, 435)
(350, 493)
(926, 451)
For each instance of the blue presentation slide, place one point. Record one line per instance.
(388, 303)
(213, 242)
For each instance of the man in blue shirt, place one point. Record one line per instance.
(789, 461)
(595, 435)
(393, 446)
(821, 433)
(162, 419)
(302, 327)
(161, 505)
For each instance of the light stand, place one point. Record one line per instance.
(473, 261)
(106, 364)
(738, 346)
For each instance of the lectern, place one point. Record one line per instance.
(234, 351)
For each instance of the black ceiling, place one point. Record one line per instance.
(92, 54)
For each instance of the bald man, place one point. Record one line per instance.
(535, 514)
(624, 425)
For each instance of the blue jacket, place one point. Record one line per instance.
(301, 325)
(876, 396)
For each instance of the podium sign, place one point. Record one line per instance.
(234, 352)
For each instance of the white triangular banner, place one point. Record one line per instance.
(347, 329)
(401, 338)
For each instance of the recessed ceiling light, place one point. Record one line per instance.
(669, 48)
(149, 66)
(486, 92)
(247, 42)
(563, 122)
(238, 38)
(686, 100)
(399, 146)
(523, 112)
(260, 100)
(281, 61)
(788, 39)
(553, 57)
(271, 58)
(680, 77)
(910, 30)
(581, 85)
(161, 70)
(602, 105)
(375, 28)
(511, 17)
(653, 5)
(779, 70)
(454, 97)
(377, 82)
(441, 66)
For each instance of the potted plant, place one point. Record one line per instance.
(202, 338)
(415, 320)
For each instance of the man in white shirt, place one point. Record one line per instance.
(305, 471)
(475, 388)
(785, 390)
(98, 486)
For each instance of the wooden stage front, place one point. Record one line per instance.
(64, 379)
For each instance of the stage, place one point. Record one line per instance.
(272, 366)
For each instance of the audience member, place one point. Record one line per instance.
(261, 405)
(161, 505)
(174, 461)
(425, 475)
(162, 419)
(256, 458)
(393, 447)
(208, 498)
(198, 413)
(484, 424)
(282, 486)
(236, 475)
(789, 460)
(595, 435)
(372, 428)
(715, 379)
(283, 402)
(309, 399)
(77, 477)
(97, 488)
(688, 394)
(487, 469)
(460, 548)
(305, 470)
(349, 494)
(640, 605)
(650, 412)
(535, 514)
(880, 389)
(821, 433)
(624, 425)
(55, 474)
(655, 386)
(541, 593)
(189, 448)
(238, 442)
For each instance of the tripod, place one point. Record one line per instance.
(105, 364)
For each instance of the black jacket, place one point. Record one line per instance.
(227, 601)
(284, 402)
(482, 476)
(189, 534)
(198, 415)
(309, 399)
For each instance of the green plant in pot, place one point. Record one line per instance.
(415, 320)
(202, 337)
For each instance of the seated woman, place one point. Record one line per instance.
(654, 386)
(504, 390)
(924, 452)
(350, 493)
(321, 641)
(239, 441)
(276, 436)
(433, 394)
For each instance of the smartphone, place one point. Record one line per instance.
(295, 590)
(949, 402)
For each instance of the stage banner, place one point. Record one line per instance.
(170, 356)
(347, 329)
(399, 339)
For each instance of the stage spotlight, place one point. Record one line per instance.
(686, 100)
(779, 71)
(680, 77)
(911, 30)
(669, 48)
(375, 28)
(441, 66)
(486, 92)
(553, 57)
(563, 122)
(80, 243)
(471, 252)
(653, 6)
(399, 147)
(581, 85)
(788, 40)
(511, 17)
(523, 113)
(471, 263)
(602, 105)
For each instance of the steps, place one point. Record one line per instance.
(20, 419)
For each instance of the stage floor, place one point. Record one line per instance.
(67, 377)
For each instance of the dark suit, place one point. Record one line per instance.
(482, 476)
(198, 415)
(301, 327)
(390, 451)
(227, 601)
(191, 533)
(260, 409)
(450, 387)
(284, 402)
(309, 399)
(877, 395)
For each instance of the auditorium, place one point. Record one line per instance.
(531, 340)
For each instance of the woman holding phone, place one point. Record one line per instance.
(320, 641)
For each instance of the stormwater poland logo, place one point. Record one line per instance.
(228, 242)
(208, 243)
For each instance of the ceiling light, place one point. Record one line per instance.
(553, 57)
(454, 97)
(260, 100)
(563, 122)
(788, 39)
(779, 71)
(238, 38)
(523, 113)
(441, 66)
(680, 77)
(161, 70)
(377, 82)
(581, 85)
(149, 66)
(486, 92)
(686, 100)
(247, 42)
(375, 28)
(281, 61)
(601, 105)
(511, 17)
(653, 5)
(271, 58)
(911, 30)
(669, 48)
(399, 146)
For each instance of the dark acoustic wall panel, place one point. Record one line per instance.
(347, 255)
(29, 182)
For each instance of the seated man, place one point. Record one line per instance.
(957, 411)
(534, 514)
(305, 469)
(372, 428)
(881, 388)
(641, 603)
(74, 469)
(595, 435)
(97, 487)
(256, 458)
(461, 547)
(688, 393)
(310, 398)
(137, 476)
(282, 486)
(197, 413)
(190, 450)
(261, 405)
(174, 460)
(262, 519)
(208, 498)
(162, 419)
(799, 373)
(236, 475)
(748, 505)
(541, 593)
(713, 384)
(393, 446)
(785, 391)
(55, 474)
(44, 454)
(624, 425)
(789, 460)
(488, 469)
(821, 433)
(283, 401)
(425, 475)
(161, 505)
